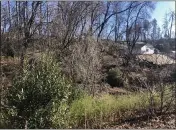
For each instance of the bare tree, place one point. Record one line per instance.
(146, 27)
(165, 26)
(27, 29)
(133, 26)
(108, 15)
(171, 19)
(9, 14)
(119, 20)
(154, 29)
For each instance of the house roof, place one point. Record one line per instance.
(138, 46)
(150, 46)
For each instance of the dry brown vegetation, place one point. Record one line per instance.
(62, 68)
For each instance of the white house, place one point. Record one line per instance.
(173, 52)
(143, 48)
(147, 49)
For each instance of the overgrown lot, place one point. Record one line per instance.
(42, 97)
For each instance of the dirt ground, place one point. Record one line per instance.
(159, 122)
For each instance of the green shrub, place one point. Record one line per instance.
(61, 117)
(36, 93)
(3, 119)
(114, 78)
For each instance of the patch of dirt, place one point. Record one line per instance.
(116, 91)
(159, 122)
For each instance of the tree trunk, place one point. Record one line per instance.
(9, 14)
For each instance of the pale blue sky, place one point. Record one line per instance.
(161, 8)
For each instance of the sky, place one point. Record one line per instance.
(161, 8)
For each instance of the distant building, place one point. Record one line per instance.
(172, 55)
(143, 48)
(147, 49)
(173, 52)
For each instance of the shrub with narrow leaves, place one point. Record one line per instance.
(36, 93)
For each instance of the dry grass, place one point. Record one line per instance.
(9, 60)
(94, 112)
(158, 59)
(83, 63)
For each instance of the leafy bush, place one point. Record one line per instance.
(114, 78)
(36, 93)
(61, 112)
(3, 119)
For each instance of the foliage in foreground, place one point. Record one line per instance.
(42, 98)
(92, 112)
(36, 94)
